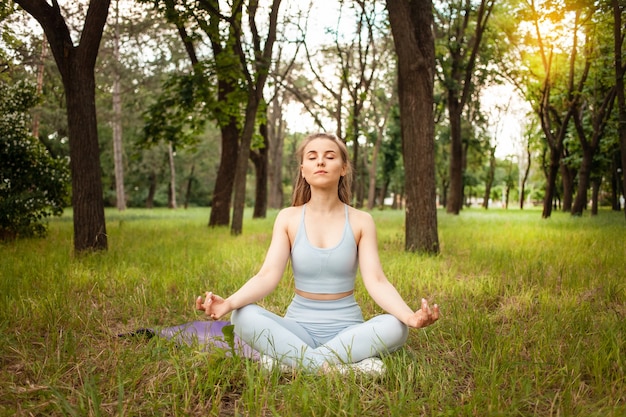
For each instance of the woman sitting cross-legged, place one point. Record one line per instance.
(326, 241)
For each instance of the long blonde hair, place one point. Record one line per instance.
(302, 189)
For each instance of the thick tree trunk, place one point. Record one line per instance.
(584, 180)
(553, 172)
(255, 86)
(567, 180)
(455, 190)
(412, 29)
(87, 198)
(76, 65)
(225, 181)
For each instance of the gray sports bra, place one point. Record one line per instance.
(324, 270)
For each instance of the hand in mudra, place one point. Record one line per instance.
(425, 316)
(213, 305)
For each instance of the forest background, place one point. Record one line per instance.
(532, 310)
(165, 102)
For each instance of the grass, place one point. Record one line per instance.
(534, 321)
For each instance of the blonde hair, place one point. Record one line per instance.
(302, 189)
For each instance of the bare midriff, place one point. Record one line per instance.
(323, 297)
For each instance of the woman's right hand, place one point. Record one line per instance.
(213, 305)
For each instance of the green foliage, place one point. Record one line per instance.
(177, 114)
(33, 185)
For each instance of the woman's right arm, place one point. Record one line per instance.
(261, 284)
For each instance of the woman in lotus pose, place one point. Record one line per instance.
(326, 240)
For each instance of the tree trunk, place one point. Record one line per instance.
(40, 73)
(595, 192)
(76, 65)
(118, 161)
(553, 125)
(189, 185)
(87, 199)
(276, 138)
(455, 189)
(357, 194)
(525, 177)
(171, 201)
(490, 177)
(616, 185)
(584, 180)
(412, 29)
(553, 172)
(225, 180)
(152, 180)
(567, 179)
(255, 86)
(260, 161)
(241, 168)
(371, 190)
(619, 85)
(383, 194)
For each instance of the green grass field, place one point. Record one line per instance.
(533, 321)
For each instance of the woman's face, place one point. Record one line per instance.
(322, 163)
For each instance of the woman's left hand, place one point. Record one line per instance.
(423, 317)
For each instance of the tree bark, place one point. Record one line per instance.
(260, 160)
(76, 65)
(276, 138)
(459, 88)
(190, 181)
(567, 180)
(619, 84)
(528, 155)
(255, 86)
(412, 29)
(171, 200)
(118, 161)
(490, 177)
(225, 180)
(152, 181)
(40, 74)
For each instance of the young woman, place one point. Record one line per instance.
(326, 240)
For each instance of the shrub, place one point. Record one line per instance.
(33, 185)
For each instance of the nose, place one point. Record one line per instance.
(320, 161)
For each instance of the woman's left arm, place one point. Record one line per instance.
(377, 284)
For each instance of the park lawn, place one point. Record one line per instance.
(533, 321)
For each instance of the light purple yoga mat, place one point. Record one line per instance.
(212, 334)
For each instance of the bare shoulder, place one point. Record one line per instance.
(288, 214)
(362, 223)
(359, 216)
(288, 220)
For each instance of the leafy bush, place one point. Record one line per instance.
(33, 185)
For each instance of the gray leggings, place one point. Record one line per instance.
(313, 332)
